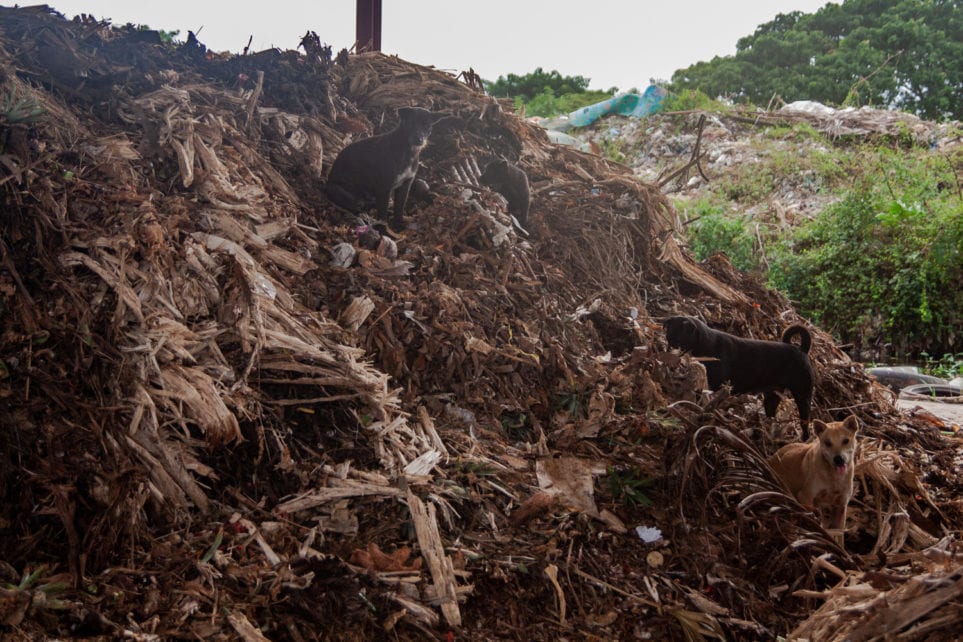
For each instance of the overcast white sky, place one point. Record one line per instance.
(620, 43)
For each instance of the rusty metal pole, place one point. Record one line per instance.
(368, 26)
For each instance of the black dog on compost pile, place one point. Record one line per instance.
(751, 365)
(512, 183)
(368, 171)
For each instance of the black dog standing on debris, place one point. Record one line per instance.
(751, 365)
(367, 172)
(512, 183)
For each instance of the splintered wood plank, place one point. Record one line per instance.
(439, 564)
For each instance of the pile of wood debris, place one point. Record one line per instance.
(226, 416)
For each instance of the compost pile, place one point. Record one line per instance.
(231, 412)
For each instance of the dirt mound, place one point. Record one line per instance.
(227, 414)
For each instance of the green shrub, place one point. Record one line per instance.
(547, 104)
(884, 264)
(691, 100)
(711, 230)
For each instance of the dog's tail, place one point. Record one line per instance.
(805, 339)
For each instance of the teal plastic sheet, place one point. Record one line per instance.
(625, 105)
(635, 105)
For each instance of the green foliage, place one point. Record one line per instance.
(475, 468)
(711, 230)
(902, 54)
(613, 149)
(166, 37)
(946, 367)
(531, 85)
(691, 100)
(795, 132)
(547, 104)
(752, 185)
(51, 591)
(547, 94)
(885, 263)
(571, 401)
(629, 486)
(18, 106)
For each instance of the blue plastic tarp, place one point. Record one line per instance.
(624, 105)
(635, 105)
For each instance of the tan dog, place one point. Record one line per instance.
(820, 472)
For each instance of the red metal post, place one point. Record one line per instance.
(368, 26)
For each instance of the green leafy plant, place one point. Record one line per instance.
(19, 106)
(691, 100)
(629, 486)
(613, 149)
(166, 37)
(547, 104)
(527, 86)
(476, 468)
(572, 401)
(711, 230)
(46, 593)
(946, 367)
(883, 264)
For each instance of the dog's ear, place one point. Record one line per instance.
(851, 423)
(819, 427)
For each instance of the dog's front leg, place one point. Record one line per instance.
(837, 516)
(401, 197)
(381, 204)
(837, 522)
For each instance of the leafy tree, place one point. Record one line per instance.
(547, 94)
(903, 54)
(531, 85)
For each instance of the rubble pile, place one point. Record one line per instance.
(233, 412)
(736, 143)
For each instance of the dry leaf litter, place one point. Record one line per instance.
(227, 415)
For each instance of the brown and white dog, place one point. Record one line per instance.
(819, 473)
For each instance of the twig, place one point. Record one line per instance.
(26, 168)
(694, 159)
(606, 585)
(762, 249)
(8, 263)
